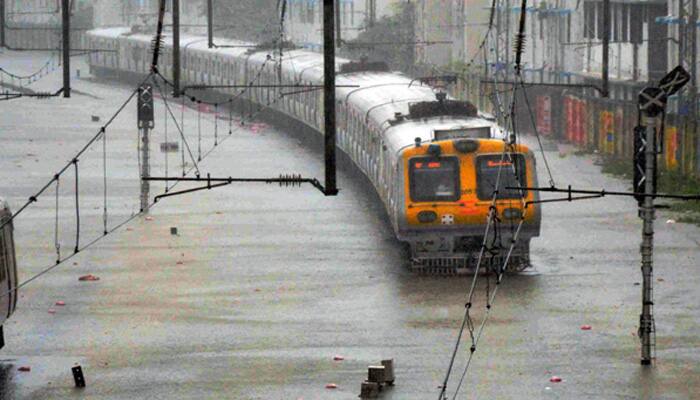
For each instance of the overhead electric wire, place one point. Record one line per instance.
(177, 126)
(34, 198)
(552, 183)
(492, 221)
(74, 161)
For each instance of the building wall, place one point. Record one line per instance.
(305, 21)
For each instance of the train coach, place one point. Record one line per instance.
(8, 269)
(433, 161)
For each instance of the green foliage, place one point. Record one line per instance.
(395, 28)
(250, 20)
(669, 182)
(617, 166)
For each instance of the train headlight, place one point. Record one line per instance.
(466, 145)
(427, 216)
(512, 213)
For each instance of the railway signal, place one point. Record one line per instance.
(652, 103)
(674, 81)
(145, 122)
(639, 173)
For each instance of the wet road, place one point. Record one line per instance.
(264, 285)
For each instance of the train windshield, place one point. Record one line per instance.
(434, 179)
(512, 174)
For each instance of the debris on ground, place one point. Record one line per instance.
(586, 327)
(338, 358)
(60, 303)
(89, 278)
(24, 368)
(555, 379)
(331, 386)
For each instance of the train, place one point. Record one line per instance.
(432, 160)
(8, 269)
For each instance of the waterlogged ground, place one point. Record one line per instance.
(263, 285)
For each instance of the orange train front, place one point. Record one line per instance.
(433, 161)
(448, 192)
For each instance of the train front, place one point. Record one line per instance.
(448, 191)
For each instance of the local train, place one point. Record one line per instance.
(8, 269)
(432, 160)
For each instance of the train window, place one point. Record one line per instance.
(434, 179)
(512, 174)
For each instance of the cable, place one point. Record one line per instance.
(167, 144)
(57, 244)
(216, 125)
(35, 197)
(492, 221)
(104, 172)
(182, 134)
(537, 134)
(199, 131)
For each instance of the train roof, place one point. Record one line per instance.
(188, 41)
(379, 96)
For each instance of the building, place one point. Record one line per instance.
(305, 19)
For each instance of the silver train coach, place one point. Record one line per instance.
(431, 159)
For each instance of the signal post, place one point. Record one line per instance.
(652, 104)
(145, 123)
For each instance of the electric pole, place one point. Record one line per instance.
(689, 54)
(210, 23)
(2, 24)
(338, 24)
(329, 95)
(606, 47)
(65, 13)
(176, 48)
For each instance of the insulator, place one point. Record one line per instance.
(519, 49)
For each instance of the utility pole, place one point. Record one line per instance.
(329, 96)
(146, 121)
(210, 22)
(507, 48)
(497, 47)
(646, 320)
(65, 13)
(461, 30)
(652, 103)
(176, 48)
(693, 62)
(2, 24)
(606, 47)
(338, 24)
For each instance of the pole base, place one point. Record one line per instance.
(645, 362)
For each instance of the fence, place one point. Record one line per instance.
(581, 117)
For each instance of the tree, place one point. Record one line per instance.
(397, 28)
(251, 20)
